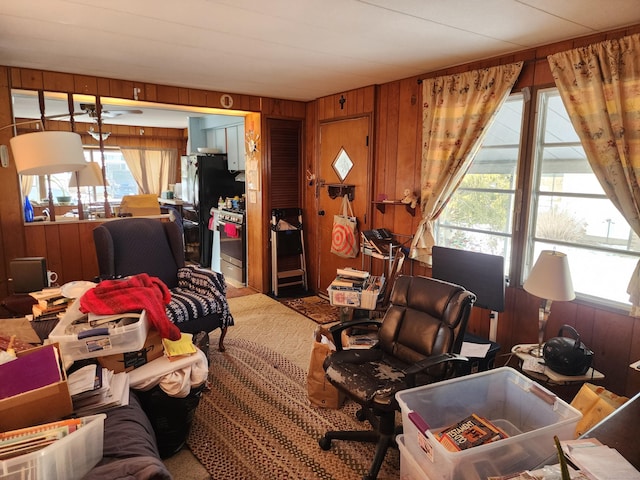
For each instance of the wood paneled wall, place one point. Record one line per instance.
(612, 335)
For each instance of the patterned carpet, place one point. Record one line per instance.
(256, 423)
(317, 309)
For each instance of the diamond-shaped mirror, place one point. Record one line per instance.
(342, 164)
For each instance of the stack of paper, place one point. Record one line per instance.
(597, 461)
(96, 389)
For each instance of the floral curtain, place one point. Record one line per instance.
(456, 113)
(151, 167)
(600, 87)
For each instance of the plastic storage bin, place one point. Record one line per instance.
(78, 346)
(409, 468)
(69, 458)
(528, 412)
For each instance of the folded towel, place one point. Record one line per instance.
(231, 230)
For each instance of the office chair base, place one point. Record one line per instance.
(382, 440)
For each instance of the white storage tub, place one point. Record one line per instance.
(98, 342)
(528, 412)
(69, 458)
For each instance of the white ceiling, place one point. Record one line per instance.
(293, 49)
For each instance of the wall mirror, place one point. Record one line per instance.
(123, 123)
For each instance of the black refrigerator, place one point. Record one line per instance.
(206, 178)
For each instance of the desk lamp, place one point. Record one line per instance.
(88, 176)
(549, 279)
(47, 153)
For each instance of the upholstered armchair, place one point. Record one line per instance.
(419, 341)
(130, 246)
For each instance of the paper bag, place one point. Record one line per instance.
(344, 235)
(321, 393)
(594, 403)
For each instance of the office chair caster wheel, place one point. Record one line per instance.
(361, 415)
(325, 443)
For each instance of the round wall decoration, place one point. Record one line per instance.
(226, 100)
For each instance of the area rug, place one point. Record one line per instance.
(256, 423)
(317, 309)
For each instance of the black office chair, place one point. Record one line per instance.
(419, 341)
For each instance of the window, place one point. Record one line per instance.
(570, 212)
(479, 215)
(119, 178)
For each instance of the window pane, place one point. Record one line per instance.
(585, 221)
(572, 213)
(483, 204)
(119, 177)
(602, 275)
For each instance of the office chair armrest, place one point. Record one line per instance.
(336, 330)
(429, 362)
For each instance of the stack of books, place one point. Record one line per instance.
(376, 242)
(95, 389)
(51, 304)
(31, 439)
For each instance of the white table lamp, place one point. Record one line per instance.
(549, 279)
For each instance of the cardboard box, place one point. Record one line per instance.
(127, 361)
(41, 405)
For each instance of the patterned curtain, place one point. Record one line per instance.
(151, 167)
(600, 88)
(456, 113)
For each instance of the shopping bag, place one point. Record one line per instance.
(595, 403)
(320, 392)
(344, 236)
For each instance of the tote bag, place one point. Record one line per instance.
(344, 236)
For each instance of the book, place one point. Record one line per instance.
(46, 303)
(349, 272)
(53, 310)
(30, 371)
(470, 432)
(96, 320)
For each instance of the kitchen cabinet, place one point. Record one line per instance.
(235, 147)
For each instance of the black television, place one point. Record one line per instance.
(480, 273)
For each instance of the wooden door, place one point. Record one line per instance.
(352, 137)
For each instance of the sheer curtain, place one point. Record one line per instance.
(600, 87)
(152, 168)
(456, 113)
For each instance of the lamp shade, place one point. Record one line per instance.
(550, 278)
(47, 153)
(88, 176)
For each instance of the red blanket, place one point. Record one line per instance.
(134, 293)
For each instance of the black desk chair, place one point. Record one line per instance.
(419, 338)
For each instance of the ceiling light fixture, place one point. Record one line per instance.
(96, 135)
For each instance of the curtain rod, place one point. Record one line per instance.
(529, 60)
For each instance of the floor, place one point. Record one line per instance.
(183, 465)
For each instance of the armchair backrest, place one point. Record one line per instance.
(425, 317)
(130, 246)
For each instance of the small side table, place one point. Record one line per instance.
(544, 374)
